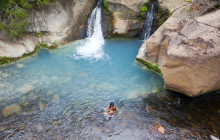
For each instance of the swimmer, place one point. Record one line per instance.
(111, 109)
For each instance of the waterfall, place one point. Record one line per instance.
(147, 28)
(93, 46)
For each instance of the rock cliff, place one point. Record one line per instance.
(60, 22)
(126, 21)
(187, 49)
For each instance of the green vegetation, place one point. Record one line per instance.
(151, 66)
(163, 15)
(45, 45)
(106, 4)
(202, 91)
(143, 9)
(38, 34)
(5, 59)
(14, 15)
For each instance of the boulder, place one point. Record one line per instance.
(11, 109)
(187, 51)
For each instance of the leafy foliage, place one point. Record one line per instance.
(144, 9)
(14, 16)
(151, 66)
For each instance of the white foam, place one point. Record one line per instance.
(92, 48)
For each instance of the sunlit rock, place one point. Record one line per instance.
(187, 52)
(161, 130)
(11, 109)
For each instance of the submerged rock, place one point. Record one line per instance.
(42, 106)
(155, 90)
(28, 88)
(161, 130)
(20, 66)
(145, 94)
(1, 99)
(56, 98)
(11, 109)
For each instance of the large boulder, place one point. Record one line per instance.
(57, 23)
(126, 21)
(188, 52)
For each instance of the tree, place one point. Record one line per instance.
(14, 15)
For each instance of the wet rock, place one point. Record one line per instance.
(189, 117)
(214, 138)
(11, 109)
(20, 66)
(145, 94)
(26, 104)
(30, 96)
(155, 90)
(39, 127)
(28, 88)
(161, 130)
(56, 98)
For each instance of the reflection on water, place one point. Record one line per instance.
(53, 96)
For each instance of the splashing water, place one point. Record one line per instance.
(93, 46)
(147, 28)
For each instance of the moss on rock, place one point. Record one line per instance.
(151, 66)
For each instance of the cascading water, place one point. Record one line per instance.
(147, 28)
(92, 48)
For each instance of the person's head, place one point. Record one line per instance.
(111, 104)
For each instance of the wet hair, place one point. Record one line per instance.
(111, 103)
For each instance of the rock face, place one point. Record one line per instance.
(188, 52)
(59, 22)
(125, 16)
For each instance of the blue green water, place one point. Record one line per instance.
(62, 97)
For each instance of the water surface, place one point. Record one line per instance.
(63, 97)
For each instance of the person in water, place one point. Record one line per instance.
(111, 109)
